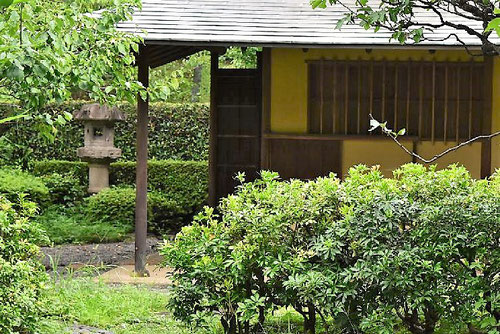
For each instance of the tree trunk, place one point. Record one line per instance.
(195, 91)
(310, 320)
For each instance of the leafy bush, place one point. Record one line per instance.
(372, 253)
(14, 182)
(417, 243)
(177, 131)
(114, 205)
(235, 265)
(63, 188)
(21, 275)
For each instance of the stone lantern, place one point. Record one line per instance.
(98, 149)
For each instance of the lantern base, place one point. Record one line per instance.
(98, 177)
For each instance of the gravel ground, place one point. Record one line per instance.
(99, 255)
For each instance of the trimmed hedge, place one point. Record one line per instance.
(47, 167)
(186, 179)
(176, 132)
(186, 182)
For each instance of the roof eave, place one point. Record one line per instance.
(392, 46)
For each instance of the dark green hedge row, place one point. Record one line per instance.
(185, 181)
(47, 167)
(176, 132)
(188, 179)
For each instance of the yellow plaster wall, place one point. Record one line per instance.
(289, 106)
(468, 156)
(378, 152)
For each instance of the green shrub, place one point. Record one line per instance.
(178, 189)
(375, 254)
(21, 274)
(14, 182)
(63, 188)
(184, 182)
(236, 265)
(177, 131)
(114, 205)
(48, 167)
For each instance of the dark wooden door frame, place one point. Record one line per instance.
(212, 160)
(218, 136)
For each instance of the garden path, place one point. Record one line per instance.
(98, 256)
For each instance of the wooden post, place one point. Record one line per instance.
(266, 107)
(141, 206)
(486, 117)
(212, 182)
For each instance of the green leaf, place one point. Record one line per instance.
(494, 25)
(12, 118)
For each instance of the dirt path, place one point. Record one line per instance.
(76, 256)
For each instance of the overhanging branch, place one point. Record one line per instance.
(394, 137)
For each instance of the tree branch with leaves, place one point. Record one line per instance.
(415, 20)
(49, 49)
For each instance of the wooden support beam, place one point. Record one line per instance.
(486, 125)
(266, 107)
(212, 163)
(141, 206)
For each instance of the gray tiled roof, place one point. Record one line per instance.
(265, 22)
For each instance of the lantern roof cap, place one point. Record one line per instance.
(97, 112)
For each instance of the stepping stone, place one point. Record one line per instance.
(81, 329)
(158, 276)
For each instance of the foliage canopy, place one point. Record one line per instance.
(374, 254)
(49, 49)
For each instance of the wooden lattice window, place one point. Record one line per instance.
(432, 100)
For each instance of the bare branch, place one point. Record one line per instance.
(466, 47)
(394, 137)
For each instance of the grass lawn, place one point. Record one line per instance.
(70, 226)
(120, 309)
(130, 309)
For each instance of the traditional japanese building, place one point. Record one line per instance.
(304, 111)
